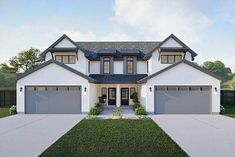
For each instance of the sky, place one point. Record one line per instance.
(206, 26)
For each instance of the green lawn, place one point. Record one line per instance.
(110, 138)
(229, 111)
(4, 111)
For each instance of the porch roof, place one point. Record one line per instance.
(117, 78)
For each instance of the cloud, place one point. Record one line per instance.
(16, 39)
(157, 19)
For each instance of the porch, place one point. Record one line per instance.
(116, 94)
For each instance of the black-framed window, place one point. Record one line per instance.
(130, 65)
(66, 59)
(104, 92)
(89, 66)
(106, 65)
(132, 91)
(170, 59)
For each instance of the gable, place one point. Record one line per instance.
(171, 43)
(183, 74)
(65, 43)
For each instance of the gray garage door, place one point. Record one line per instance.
(53, 99)
(182, 100)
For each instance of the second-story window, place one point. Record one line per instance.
(170, 59)
(66, 59)
(130, 65)
(106, 65)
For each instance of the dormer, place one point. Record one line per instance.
(64, 50)
(168, 52)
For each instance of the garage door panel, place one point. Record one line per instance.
(182, 102)
(53, 101)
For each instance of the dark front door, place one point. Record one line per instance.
(112, 96)
(124, 96)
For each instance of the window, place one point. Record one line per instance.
(59, 59)
(104, 93)
(164, 59)
(147, 66)
(106, 65)
(66, 59)
(170, 59)
(132, 91)
(89, 67)
(178, 58)
(130, 65)
(72, 59)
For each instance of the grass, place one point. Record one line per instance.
(4, 111)
(229, 111)
(92, 137)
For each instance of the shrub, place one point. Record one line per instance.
(233, 84)
(99, 105)
(136, 105)
(95, 111)
(12, 110)
(222, 109)
(140, 111)
(117, 112)
(135, 97)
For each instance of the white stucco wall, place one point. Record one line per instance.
(93, 96)
(52, 75)
(94, 67)
(65, 43)
(141, 67)
(182, 74)
(118, 67)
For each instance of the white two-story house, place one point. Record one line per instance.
(76, 75)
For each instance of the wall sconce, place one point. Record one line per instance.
(215, 89)
(150, 89)
(21, 89)
(85, 89)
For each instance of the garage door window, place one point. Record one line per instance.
(204, 89)
(74, 89)
(171, 88)
(160, 88)
(193, 88)
(182, 88)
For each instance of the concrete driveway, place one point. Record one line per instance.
(200, 135)
(30, 135)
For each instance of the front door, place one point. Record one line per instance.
(124, 96)
(112, 96)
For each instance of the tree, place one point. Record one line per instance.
(233, 84)
(25, 60)
(218, 68)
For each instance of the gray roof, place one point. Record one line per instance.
(58, 63)
(145, 47)
(186, 62)
(117, 78)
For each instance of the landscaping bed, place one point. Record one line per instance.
(229, 111)
(92, 137)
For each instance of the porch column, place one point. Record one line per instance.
(118, 95)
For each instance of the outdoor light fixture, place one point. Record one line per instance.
(215, 89)
(150, 89)
(85, 89)
(21, 89)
